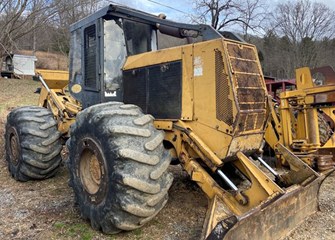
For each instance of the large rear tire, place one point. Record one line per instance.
(33, 143)
(118, 167)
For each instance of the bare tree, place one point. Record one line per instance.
(304, 24)
(247, 14)
(69, 12)
(254, 14)
(20, 17)
(36, 24)
(304, 19)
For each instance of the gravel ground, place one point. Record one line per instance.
(321, 225)
(46, 210)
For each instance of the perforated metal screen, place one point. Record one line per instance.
(247, 85)
(90, 51)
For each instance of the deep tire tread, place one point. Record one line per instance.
(139, 156)
(143, 120)
(130, 131)
(144, 221)
(48, 125)
(155, 142)
(161, 168)
(135, 151)
(141, 185)
(39, 140)
(159, 197)
(141, 211)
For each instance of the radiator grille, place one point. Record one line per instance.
(249, 87)
(224, 106)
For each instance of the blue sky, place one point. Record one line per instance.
(185, 9)
(186, 6)
(329, 3)
(157, 6)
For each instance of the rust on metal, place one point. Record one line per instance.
(14, 146)
(325, 162)
(273, 220)
(90, 171)
(299, 171)
(277, 219)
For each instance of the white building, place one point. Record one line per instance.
(19, 65)
(24, 65)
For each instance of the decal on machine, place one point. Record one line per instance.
(198, 67)
(110, 93)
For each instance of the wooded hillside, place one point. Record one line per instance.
(288, 35)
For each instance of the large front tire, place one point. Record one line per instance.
(118, 167)
(33, 143)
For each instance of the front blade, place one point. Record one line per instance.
(273, 220)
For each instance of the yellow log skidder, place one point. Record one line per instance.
(133, 102)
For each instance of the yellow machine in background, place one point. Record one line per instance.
(55, 96)
(304, 122)
(203, 101)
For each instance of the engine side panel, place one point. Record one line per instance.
(156, 89)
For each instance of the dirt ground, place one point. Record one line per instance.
(46, 210)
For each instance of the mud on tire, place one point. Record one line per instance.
(325, 132)
(33, 143)
(118, 167)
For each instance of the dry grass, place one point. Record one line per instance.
(14, 93)
(49, 60)
(17, 92)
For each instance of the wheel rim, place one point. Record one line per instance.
(14, 146)
(92, 170)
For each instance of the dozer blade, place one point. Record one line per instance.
(273, 219)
